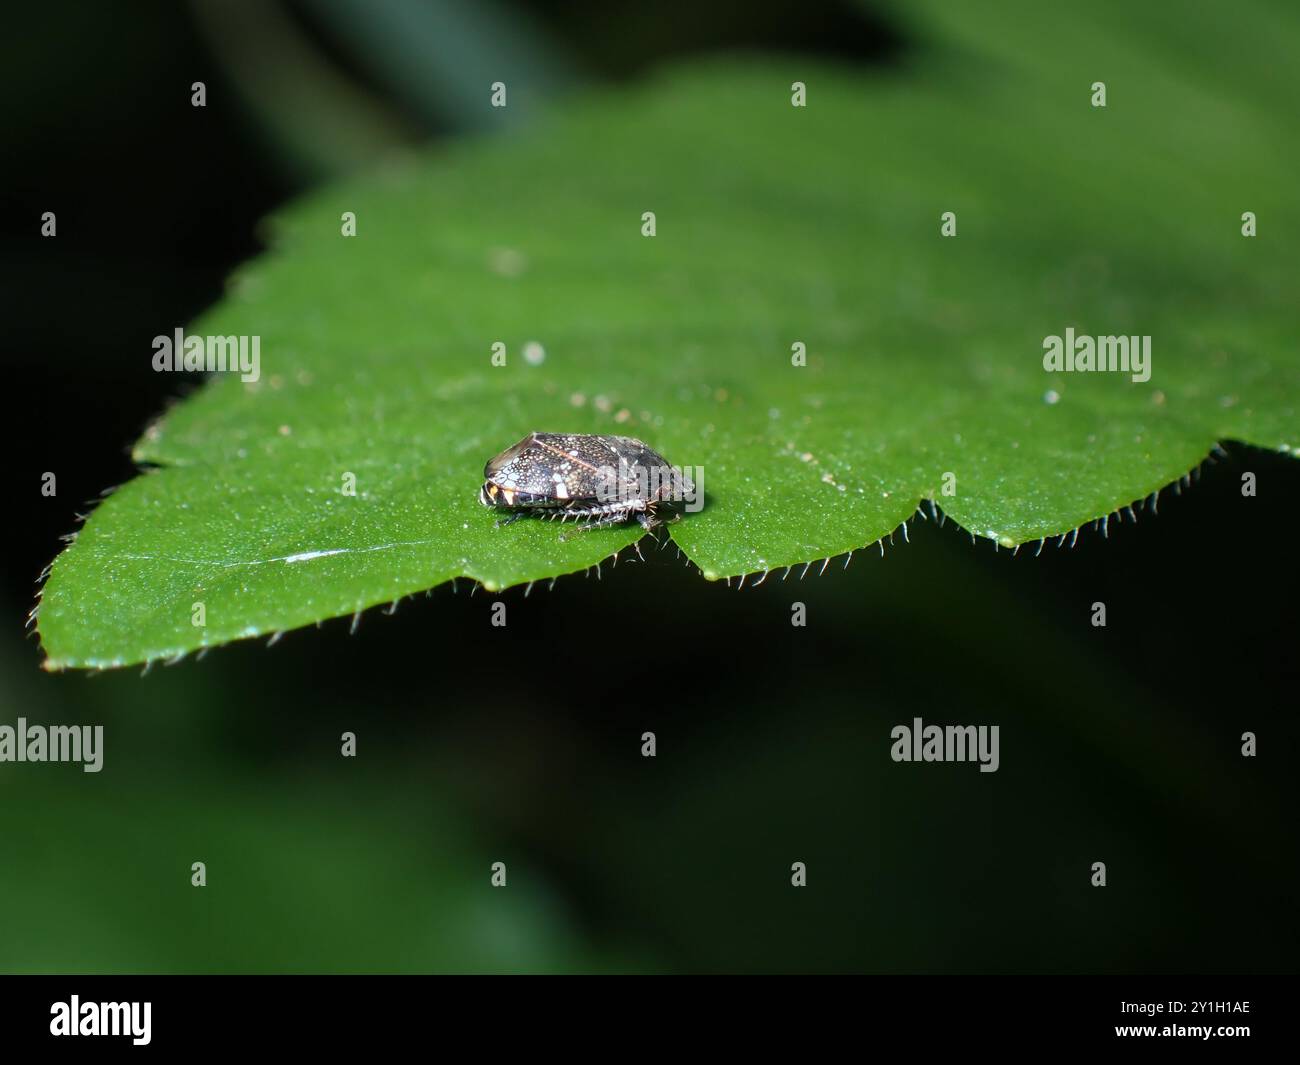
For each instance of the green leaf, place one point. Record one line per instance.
(339, 853)
(775, 225)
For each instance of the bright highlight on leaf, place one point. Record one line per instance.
(841, 311)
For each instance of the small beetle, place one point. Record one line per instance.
(608, 479)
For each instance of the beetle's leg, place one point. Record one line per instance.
(501, 523)
(616, 517)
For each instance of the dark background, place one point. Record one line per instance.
(1119, 744)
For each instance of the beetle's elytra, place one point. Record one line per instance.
(607, 479)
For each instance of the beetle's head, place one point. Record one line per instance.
(508, 456)
(494, 495)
